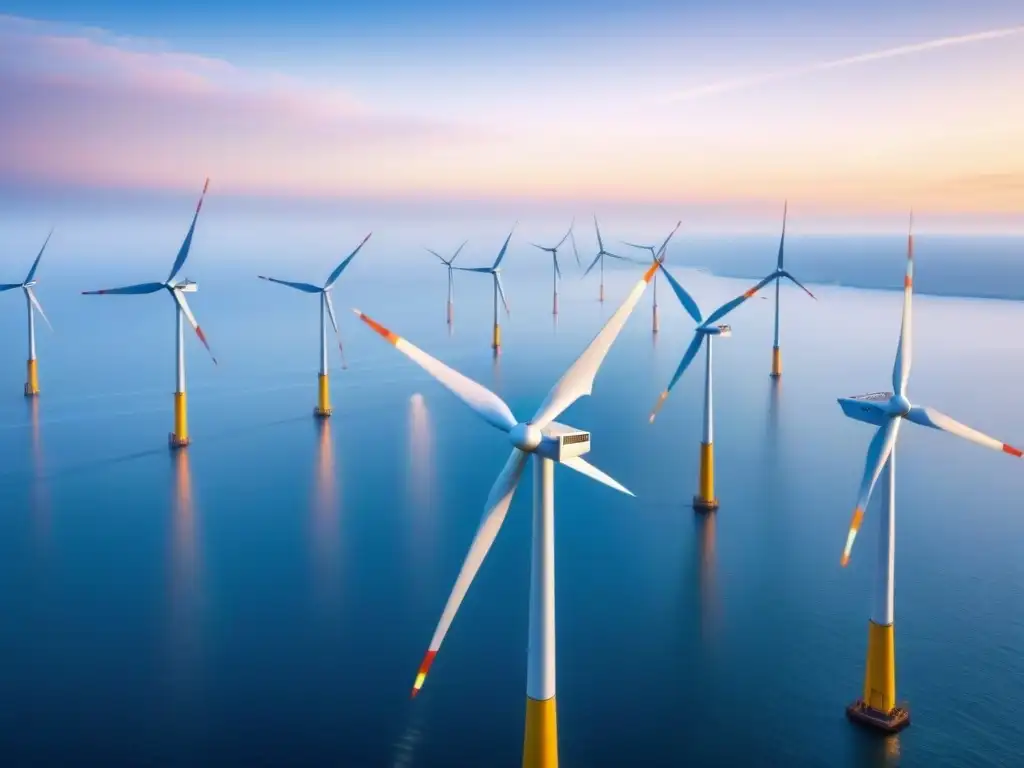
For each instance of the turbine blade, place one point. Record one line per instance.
(334, 322)
(929, 417)
(586, 468)
(488, 270)
(458, 251)
(782, 240)
(684, 298)
(9, 286)
(304, 287)
(641, 247)
(495, 510)
(565, 236)
(904, 349)
(38, 306)
(180, 298)
(442, 258)
(729, 306)
(659, 256)
(504, 248)
(593, 264)
(35, 264)
(129, 289)
(575, 250)
(348, 259)
(788, 276)
(501, 292)
(578, 381)
(878, 453)
(600, 243)
(484, 403)
(179, 260)
(691, 352)
(554, 257)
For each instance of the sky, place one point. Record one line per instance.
(852, 112)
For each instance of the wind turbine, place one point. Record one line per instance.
(548, 442)
(887, 410)
(601, 253)
(654, 305)
(556, 273)
(33, 305)
(323, 403)
(495, 272)
(706, 331)
(451, 279)
(179, 437)
(777, 276)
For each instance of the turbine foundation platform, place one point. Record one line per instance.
(177, 442)
(31, 391)
(322, 413)
(887, 722)
(705, 505)
(776, 363)
(32, 379)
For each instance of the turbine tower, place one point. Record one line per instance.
(548, 442)
(887, 411)
(599, 258)
(777, 276)
(495, 272)
(654, 290)
(556, 273)
(322, 410)
(179, 438)
(33, 306)
(706, 331)
(451, 279)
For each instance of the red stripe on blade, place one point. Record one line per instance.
(1012, 451)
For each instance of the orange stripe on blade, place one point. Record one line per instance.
(858, 516)
(650, 272)
(1012, 451)
(421, 675)
(379, 328)
(908, 281)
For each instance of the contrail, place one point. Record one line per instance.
(889, 53)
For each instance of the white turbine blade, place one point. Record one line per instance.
(180, 298)
(575, 251)
(929, 417)
(578, 381)
(304, 287)
(334, 322)
(878, 452)
(584, 467)
(495, 510)
(484, 403)
(904, 350)
(593, 264)
(38, 306)
(691, 352)
(501, 292)
(35, 264)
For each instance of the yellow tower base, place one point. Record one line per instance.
(323, 403)
(32, 380)
(776, 362)
(878, 707)
(705, 499)
(540, 744)
(496, 342)
(179, 437)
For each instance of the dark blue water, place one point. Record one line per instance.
(266, 596)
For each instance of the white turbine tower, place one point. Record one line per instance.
(179, 437)
(323, 404)
(451, 277)
(33, 306)
(495, 272)
(887, 411)
(548, 442)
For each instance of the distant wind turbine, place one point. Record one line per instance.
(179, 437)
(33, 305)
(451, 278)
(654, 289)
(323, 406)
(495, 272)
(706, 330)
(887, 411)
(548, 442)
(556, 273)
(599, 258)
(777, 276)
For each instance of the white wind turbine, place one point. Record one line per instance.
(33, 305)
(654, 290)
(556, 273)
(323, 405)
(548, 442)
(887, 411)
(451, 277)
(179, 437)
(495, 272)
(599, 258)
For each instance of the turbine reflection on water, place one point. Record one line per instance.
(707, 577)
(325, 530)
(39, 494)
(420, 481)
(185, 576)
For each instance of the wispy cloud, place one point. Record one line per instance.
(742, 83)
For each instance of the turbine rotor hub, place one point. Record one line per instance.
(525, 436)
(900, 405)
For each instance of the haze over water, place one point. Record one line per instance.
(265, 596)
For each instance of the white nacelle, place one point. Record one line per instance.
(563, 442)
(872, 408)
(725, 331)
(186, 286)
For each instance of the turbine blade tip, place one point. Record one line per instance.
(845, 561)
(1012, 451)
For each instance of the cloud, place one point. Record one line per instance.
(742, 83)
(88, 107)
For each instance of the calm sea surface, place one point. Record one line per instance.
(265, 597)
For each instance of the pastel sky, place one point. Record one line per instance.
(864, 108)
